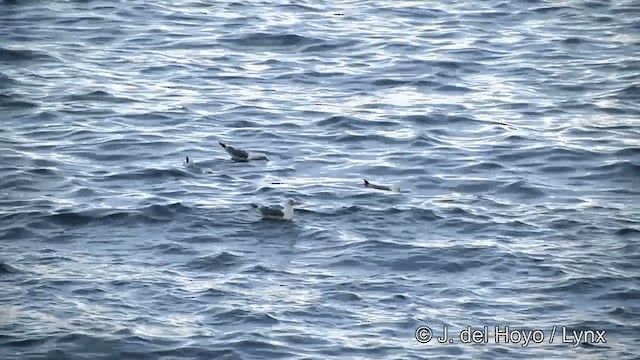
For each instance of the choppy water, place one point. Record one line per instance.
(511, 127)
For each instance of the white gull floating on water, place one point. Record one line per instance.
(189, 164)
(277, 212)
(393, 187)
(242, 155)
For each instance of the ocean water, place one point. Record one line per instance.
(512, 128)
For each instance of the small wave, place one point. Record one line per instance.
(240, 316)
(624, 312)
(627, 294)
(557, 154)
(573, 40)
(550, 9)
(81, 218)
(350, 262)
(298, 7)
(16, 216)
(41, 172)
(168, 116)
(326, 46)
(214, 293)
(6, 269)
(102, 40)
(165, 212)
(631, 93)
(629, 151)
(17, 341)
(389, 82)
(196, 352)
(382, 247)
(476, 186)
(481, 167)
(418, 12)
(174, 249)
(18, 233)
(98, 95)
(147, 174)
(22, 55)
(10, 102)
(260, 269)
(628, 232)
(620, 168)
(342, 296)
(557, 169)
(159, 69)
(565, 224)
(84, 192)
(597, 4)
(87, 291)
(79, 19)
(119, 283)
(265, 349)
(522, 189)
(350, 123)
(221, 261)
(582, 285)
(150, 214)
(261, 39)
(244, 124)
(447, 64)
(434, 263)
(427, 215)
(6, 81)
(381, 139)
(440, 119)
(462, 266)
(453, 88)
(100, 156)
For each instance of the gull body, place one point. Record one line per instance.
(242, 155)
(277, 212)
(188, 163)
(393, 187)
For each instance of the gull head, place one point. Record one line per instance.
(258, 156)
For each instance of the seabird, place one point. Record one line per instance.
(393, 187)
(241, 155)
(277, 212)
(188, 163)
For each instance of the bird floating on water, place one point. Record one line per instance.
(393, 187)
(242, 155)
(188, 163)
(277, 212)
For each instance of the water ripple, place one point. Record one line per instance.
(510, 127)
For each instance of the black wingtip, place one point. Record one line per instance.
(365, 182)
(254, 206)
(187, 158)
(222, 144)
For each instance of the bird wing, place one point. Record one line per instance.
(374, 186)
(274, 211)
(381, 187)
(237, 153)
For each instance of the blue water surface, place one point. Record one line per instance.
(512, 128)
